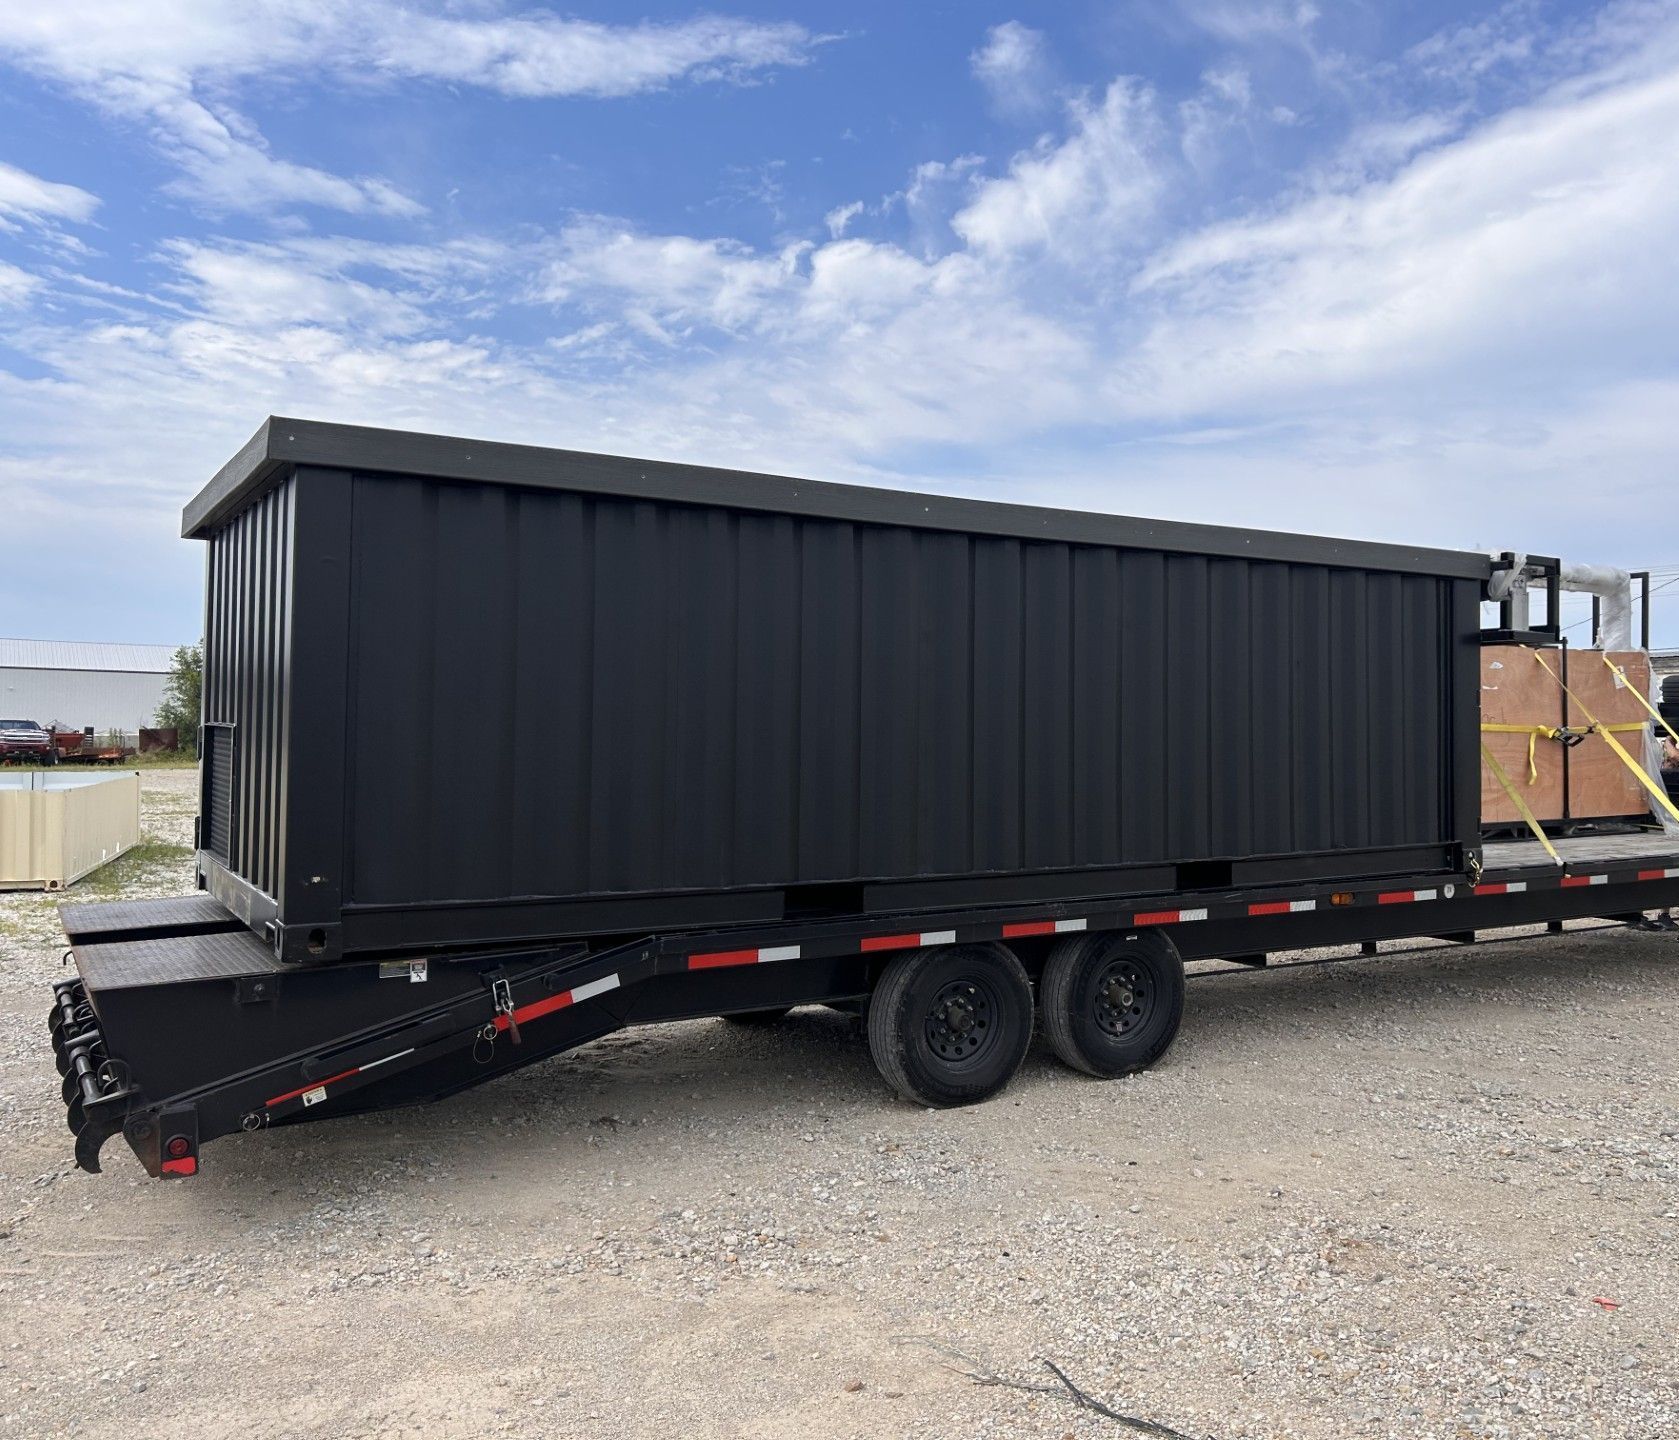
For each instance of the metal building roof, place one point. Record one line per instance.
(84, 655)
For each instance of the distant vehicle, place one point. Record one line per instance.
(25, 740)
(81, 747)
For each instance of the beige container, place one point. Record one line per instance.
(56, 827)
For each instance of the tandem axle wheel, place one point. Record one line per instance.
(950, 1025)
(1112, 1003)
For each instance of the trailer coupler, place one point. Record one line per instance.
(97, 1091)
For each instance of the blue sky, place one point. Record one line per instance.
(1405, 272)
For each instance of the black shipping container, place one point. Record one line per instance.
(460, 692)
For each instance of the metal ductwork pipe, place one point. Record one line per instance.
(1614, 588)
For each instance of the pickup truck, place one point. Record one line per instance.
(26, 741)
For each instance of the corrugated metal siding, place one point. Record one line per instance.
(246, 669)
(560, 694)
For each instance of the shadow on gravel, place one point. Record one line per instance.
(700, 1081)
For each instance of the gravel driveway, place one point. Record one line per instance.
(1423, 1195)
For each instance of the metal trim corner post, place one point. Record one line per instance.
(315, 884)
(282, 650)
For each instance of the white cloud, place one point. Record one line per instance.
(16, 285)
(1544, 224)
(169, 46)
(226, 166)
(1207, 118)
(169, 63)
(545, 55)
(1377, 146)
(840, 217)
(1015, 68)
(1467, 52)
(1247, 23)
(670, 280)
(28, 197)
(935, 189)
(1471, 260)
(1231, 83)
(1089, 192)
(357, 288)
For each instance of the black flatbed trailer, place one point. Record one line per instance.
(231, 1038)
(948, 764)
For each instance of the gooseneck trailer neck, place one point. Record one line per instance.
(506, 748)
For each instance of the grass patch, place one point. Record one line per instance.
(152, 760)
(131, 866)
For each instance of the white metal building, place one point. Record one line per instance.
(73, 684)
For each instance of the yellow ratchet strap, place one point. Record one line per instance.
(1605, 731)
(1533, 733)
(1516, 800)
(1642, 699)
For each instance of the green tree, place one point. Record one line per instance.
(183, 694)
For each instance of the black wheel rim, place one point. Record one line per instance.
(1124, 997)
(961, 1023)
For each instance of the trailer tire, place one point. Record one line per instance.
(758, 1019)
(1112, 1002)
(949, 1025)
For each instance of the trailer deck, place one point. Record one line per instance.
(1580, 853)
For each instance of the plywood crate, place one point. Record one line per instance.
(1599, 784)
(1592, 779)
(1515, 690)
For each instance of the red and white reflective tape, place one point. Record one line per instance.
(1571, 881)
(1021, 928)
(1282, 907)
(1043, 927)
(1167, 917)
(1672, 874)
(548, 1004)
(722, 959)
(315, 1091)
(1013, 930)
(1405, 897)
(1509, 887)
(919, 939)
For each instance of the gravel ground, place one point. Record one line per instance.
(1383, 1198)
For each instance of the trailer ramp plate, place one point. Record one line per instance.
(168, 959)
(143, 919)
